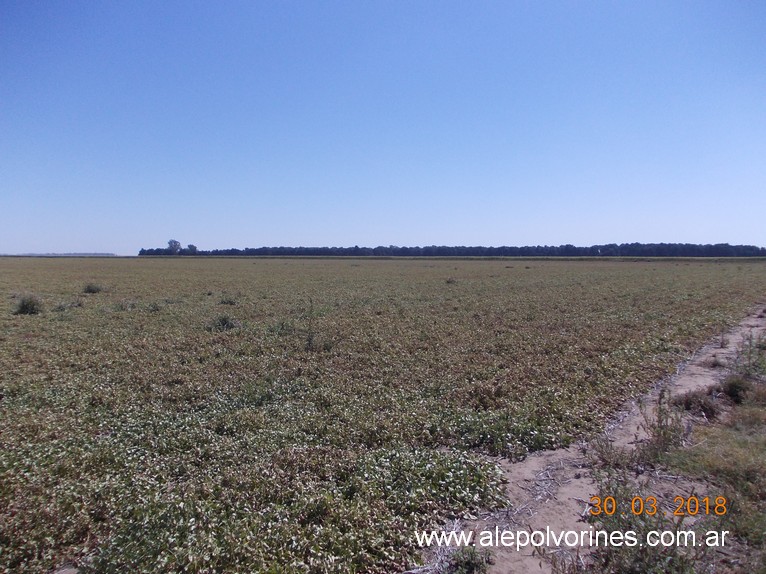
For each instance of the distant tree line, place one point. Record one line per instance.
(609, 250)
(173, 248)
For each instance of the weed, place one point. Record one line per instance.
(29, 305)
(282, 328)
(468, 560)
(664, 430)
(700, 402)
(750, 417)
(223, 323)
(125, 305)
(257, 394)
(735, 387)
(228, 300)
(66, 306)
(604, 453)
(92, 288)
(312, 340)
(310, 334)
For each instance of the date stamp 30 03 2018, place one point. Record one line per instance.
(638, 505)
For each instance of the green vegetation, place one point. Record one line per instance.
(353, 402)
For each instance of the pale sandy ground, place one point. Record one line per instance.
(552, 488)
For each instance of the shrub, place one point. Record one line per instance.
(735, 388)
(29, 305)
(92, 288)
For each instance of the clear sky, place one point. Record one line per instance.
(324, 123)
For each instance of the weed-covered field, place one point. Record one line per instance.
(251, 415)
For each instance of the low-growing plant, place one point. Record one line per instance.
(257, 393)
(92, 288)
(602, 452)
(223, 323)
(66, 306)
(282, 328)
(700, 402)
(468, 560)
(125, 305)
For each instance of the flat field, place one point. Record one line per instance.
(306, 415)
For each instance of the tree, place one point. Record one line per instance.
(191, 249)
(174, 247)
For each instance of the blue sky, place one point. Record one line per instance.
(244, 124)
